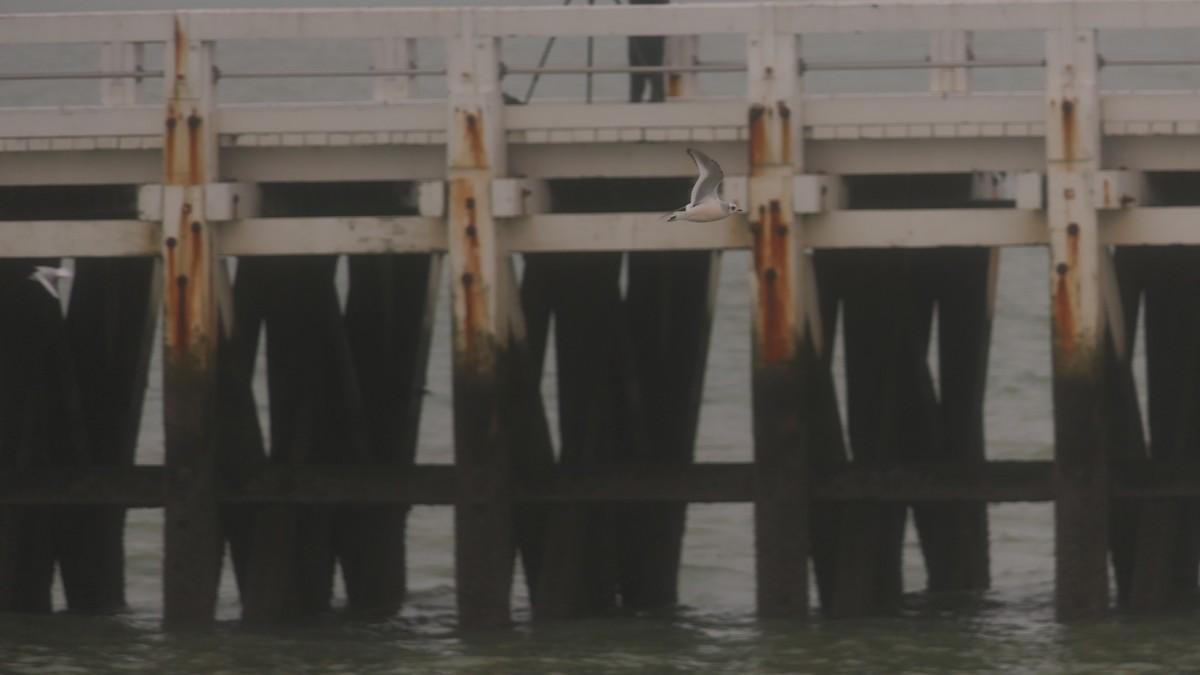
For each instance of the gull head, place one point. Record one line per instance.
(730, 207)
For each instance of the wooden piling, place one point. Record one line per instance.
(389, 322)
(27, 403)
(670, 304)
(954, 537)
(191, 540)
(1079, 329)
(113, 311)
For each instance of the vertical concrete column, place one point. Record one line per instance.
(483, 509)
(191, 539)
(779, 324)
(1079, 337)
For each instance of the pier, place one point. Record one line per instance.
(875, 211)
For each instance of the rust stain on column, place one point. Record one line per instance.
(785, 132)
(771, 266)
(759, 147)
(1066, 285)
(472, 151)
(474, 320)
(1070, 129)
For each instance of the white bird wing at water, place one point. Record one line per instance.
(710, 177)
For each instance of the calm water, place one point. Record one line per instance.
(1009, 629)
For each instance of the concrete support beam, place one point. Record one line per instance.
(1079, 336)
(191, 539)
(484, 539)
(781, 328)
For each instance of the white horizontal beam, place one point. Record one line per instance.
(284, 118)
(922, 228)
(620, 232)
(59, 28)
(826, 16)
(80, 121)
(560, 232)
(78, 238)
(710, 113)
(1153, 226)
(305, 236)
(366, 23)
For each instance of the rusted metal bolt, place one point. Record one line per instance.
(769, 274)
(471, 120)
(171, 122)
(171, 242)
(470, 203)
(196, 227)
(1068, 107)
(1061, 268)
(193, 121)
(467, 279)
(471, 231)
(781, 230)
(1073, 230)
(181, 281)
(755, 228)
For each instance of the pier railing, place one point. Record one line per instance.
(1068, 167)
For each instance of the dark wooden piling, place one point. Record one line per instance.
(579, 566)
(670, 304)
(241, 442)
(879, 325)
(1155, 542)
(113, 311)
(954, 537)
(389, 322)
(29, 401)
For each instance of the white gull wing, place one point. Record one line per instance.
(710, 177)
(49, 276)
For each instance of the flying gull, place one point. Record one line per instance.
(48, 277)
(706, 204)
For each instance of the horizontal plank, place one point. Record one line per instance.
(81, 121)
(918, 228)
(341, 484)
(66, 27)
(998, 481)
(994, 482)
(136, 486)
(828, 16)
(77, 238)
(349, 118)
(314, 236)
(620, 232)
(1151, 226)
